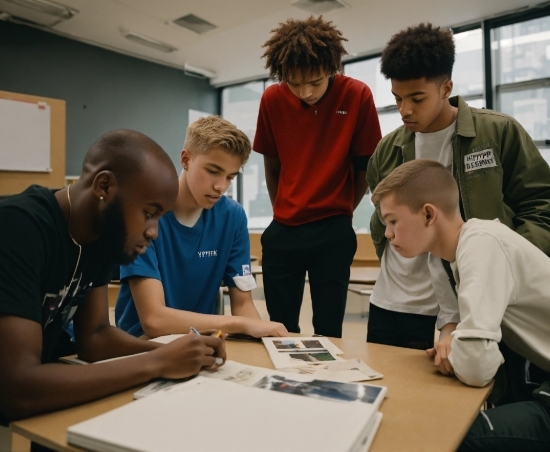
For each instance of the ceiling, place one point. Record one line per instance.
(233, 50)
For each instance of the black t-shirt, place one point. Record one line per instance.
(37, 260)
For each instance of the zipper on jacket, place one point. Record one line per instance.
(458, 181)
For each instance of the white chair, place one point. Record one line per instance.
(364, 291)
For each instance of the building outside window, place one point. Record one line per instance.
(521, 70)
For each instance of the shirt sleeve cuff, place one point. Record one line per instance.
(245, 283)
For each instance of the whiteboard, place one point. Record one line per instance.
(25, 136)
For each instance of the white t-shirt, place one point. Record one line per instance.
(419, 285)
(503, 286)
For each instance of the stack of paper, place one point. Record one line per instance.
(288, 352)
(300, 385)
(316, 356)
(207, 414)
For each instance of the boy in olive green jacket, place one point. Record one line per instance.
(499, 171)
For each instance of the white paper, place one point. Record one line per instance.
(211, 415)
(287, 352)
(167, 339)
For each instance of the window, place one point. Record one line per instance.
(368, 71)
(240, 105)
(521, 65)
(468, 80)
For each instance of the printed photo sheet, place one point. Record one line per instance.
(286, 352)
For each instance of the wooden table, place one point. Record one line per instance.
(364, 275)
(423, 411)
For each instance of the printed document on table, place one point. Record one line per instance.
(288, 352)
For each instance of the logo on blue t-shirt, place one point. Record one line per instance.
(246, 270)
(213, 253)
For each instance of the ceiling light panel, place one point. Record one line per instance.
(147, 41)
(318, 6)
(45, 7)
(194, 23)
(38, 12)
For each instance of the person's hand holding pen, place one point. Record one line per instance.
(220, 357)
(188, 355)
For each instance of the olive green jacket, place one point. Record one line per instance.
(499, 170)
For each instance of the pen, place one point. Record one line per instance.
(219, 334)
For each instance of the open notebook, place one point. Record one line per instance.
(211, 415)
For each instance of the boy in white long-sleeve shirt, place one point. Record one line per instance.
(503, 287)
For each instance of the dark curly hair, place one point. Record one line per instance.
(420, 51)
(311, 44)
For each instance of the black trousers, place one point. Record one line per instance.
(400, 329)
(519, 422)
(325, 250)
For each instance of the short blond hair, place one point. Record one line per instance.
(420, 182)
(214, 131)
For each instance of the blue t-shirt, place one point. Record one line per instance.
(191, 263)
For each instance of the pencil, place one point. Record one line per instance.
(219, 334)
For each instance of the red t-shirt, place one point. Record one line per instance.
(315, 145)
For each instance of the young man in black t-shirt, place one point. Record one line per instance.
(56, 259)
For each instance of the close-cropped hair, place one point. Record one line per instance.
(420, 182)
(214, 131)
(123, 152)
(417, 52)
(312, 45)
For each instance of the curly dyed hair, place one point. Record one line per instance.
(420, 51)
(311, 44)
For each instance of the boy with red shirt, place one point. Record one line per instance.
(316, 130)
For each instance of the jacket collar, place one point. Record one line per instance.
(464, 123)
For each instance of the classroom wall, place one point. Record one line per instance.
(103, 90)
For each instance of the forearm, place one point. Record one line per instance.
(272, 183)
(27, 386)
(111, 342)
(475, 361)
(48, 387)
(360, 187)
(447, 330)
(166, 320)
(248, 310)
(272, 167)
(242, 304)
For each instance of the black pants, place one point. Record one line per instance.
(324, 249)
(519, 422)
(400, 329)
